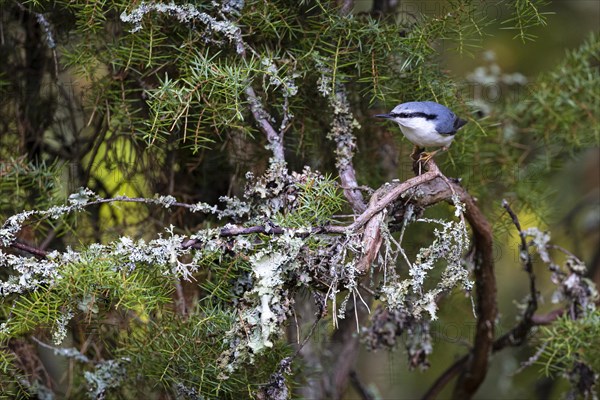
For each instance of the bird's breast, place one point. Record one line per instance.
(422, 133)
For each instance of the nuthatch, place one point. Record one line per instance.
(426, 124)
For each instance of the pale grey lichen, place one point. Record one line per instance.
(77, 202)
(234, 207)
(266, 306)
(204, 208)
(41, 19)
(12, 226)
(230, 6)
(29, 273)
(325, 81)
(82, 197)
(409, 299)
(187, 13)
(106, 375)
(68, 352)
(269, 267)
(450, 243)
(166, 252)
(286, 83)
(88, 304)
(573, 287)
(60, 327)
(342, 127)
(166, 201)
(187, 392)
(540, 241)
(341, 133)
(163, 252)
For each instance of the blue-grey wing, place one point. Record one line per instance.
(450, 124)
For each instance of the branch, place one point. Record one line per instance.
(525, 324)
(29, 249)
(262, 119)
(393, 193)
(342, 353)
(345, 6)
(350, 185)
(364, 392)
(547, 319)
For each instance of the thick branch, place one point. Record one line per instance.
(349, 183)
(392, 194)
(341, 355)
(345, 142)
(485, 282)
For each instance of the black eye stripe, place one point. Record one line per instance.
(414, 115)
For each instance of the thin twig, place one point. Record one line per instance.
(261, 117)
(308, 336)
(527, 259)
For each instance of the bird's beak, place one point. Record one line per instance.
(383, 116)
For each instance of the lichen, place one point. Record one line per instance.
(187, 13)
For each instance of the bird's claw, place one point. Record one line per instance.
(425, 157)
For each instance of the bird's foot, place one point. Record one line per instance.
(424, 157)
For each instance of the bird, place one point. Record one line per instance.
(426, 124)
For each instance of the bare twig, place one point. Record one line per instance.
(346, 6)
(547, 319)
(525, 323)
(308, 336)
(363, 392)
(29, 249)
(262, 119)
